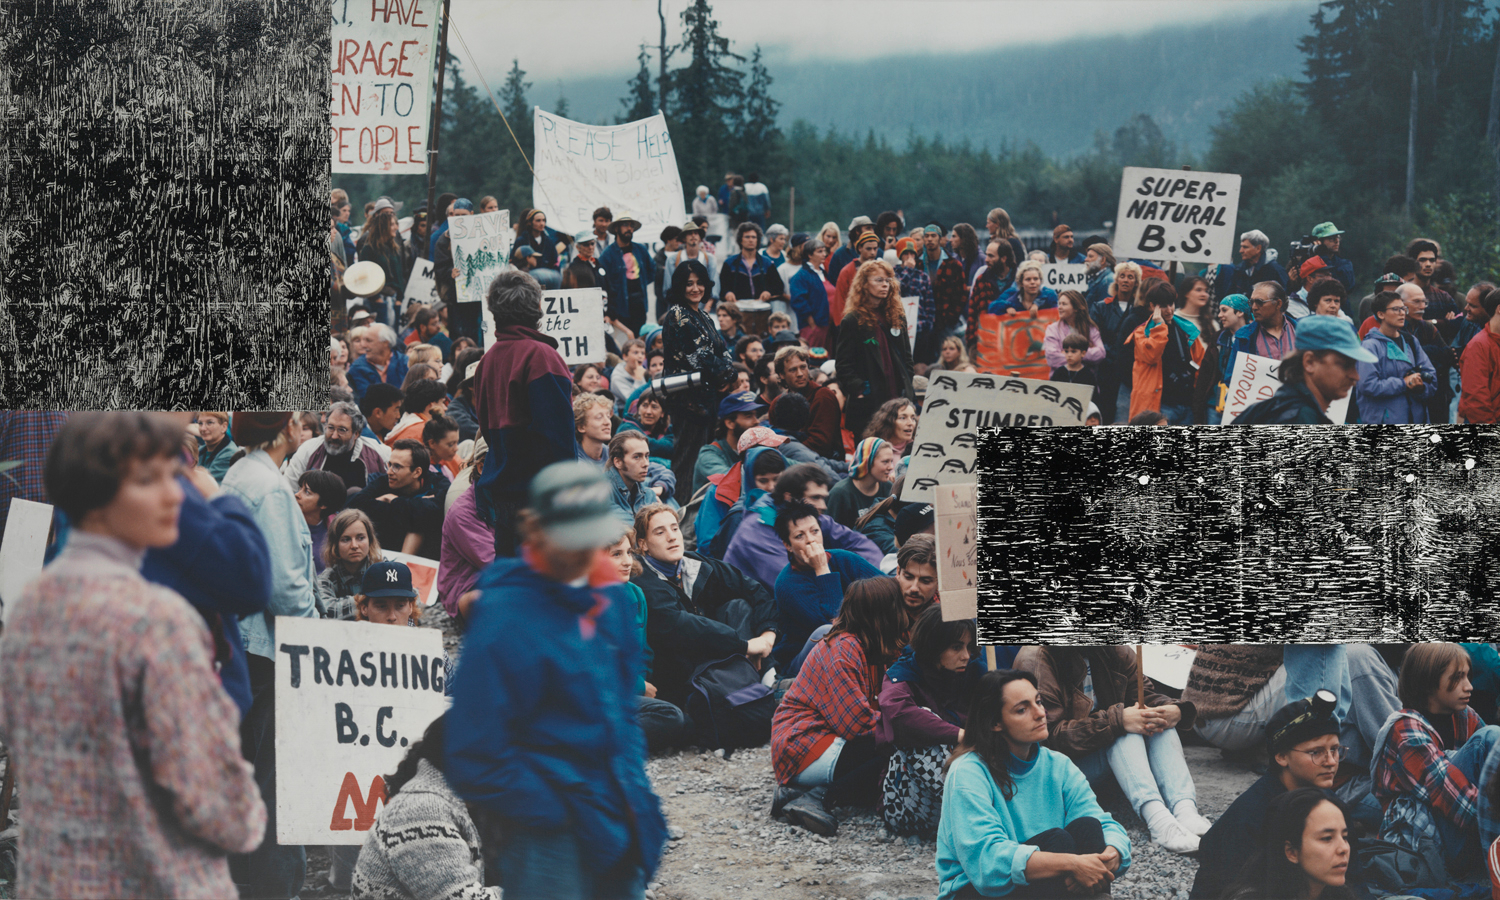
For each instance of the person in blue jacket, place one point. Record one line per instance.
(1327, 236)
(1019, 819)
(1395, 388)
(810, 588)
(1257, 264)
(628, 270)
(1027, 293)
(543, 740)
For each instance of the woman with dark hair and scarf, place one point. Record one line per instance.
(923, 706)
(692, 343)
(381, 243)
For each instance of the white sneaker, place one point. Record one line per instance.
(1174, 838)
(769, 679)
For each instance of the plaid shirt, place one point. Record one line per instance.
(985, 292)
(949, 294)
(836, 694)
(1412, 762)
(25, 438)
(915, 283)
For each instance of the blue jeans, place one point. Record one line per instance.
(549, 865)
(1461, 849)
(1314, 667)
(1146, 768)
(1178, 415)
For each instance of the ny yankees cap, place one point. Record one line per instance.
(387, 579)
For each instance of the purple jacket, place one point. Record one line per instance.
(913, 714)
(758, 552)
(468, 547)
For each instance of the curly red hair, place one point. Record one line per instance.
(865, 306)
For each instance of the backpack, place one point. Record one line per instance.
(728, 706)
(1393, 867)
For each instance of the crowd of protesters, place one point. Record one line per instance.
(701, 537)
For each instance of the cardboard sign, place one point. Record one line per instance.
(1065, 277)
(575, 318)
(911, 318)
(630, 168)
(23, 547)
(424, 574)
(350, 698)
(1254, 379)
(1011, 344)
(381, 108)
(1168, 664)
(420, 287)
(1175, 214)
(955, 525)
(481, 250)
(961, 404)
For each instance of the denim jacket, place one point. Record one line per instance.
(256, 481)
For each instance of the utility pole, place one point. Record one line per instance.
(661, 57)
(437, 121)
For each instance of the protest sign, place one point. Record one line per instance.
(1011, 344)
(960, 404)
(481, 249)
(420, 287)
(1175, 214)
(910, 303)
(955, 525)
(23, 547)
(350, 698)
(575, 319)
(424, 573)
(630, 168)
(1065, 277)
(383, 52)
(1168, 664)
(1254, 379)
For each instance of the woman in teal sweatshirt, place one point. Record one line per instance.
(1020, 820)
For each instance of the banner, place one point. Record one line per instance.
(576, 320)
(350, 698)
(1012, 344)
(420, 286)
(1255, 379)
(910, 303)
(424, 574)
(961, 404)
(956, 528)
(1168, 664)
(481, 249)
(631, 168)
(383, 52)
(1175, 214)
(23, 547)
(1065, 277)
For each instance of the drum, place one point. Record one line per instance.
(756, 316)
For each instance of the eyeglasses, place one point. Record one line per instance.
(398, 466)
(1325, 754)
(1260, 301)
(1395, 309)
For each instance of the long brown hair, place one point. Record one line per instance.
(341, 523)
(378, 231)
(863, 304)
(984, 734)
(1207, 324)
(874, 613)
(1080, 321)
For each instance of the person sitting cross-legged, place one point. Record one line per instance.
(755, 549)
(406, 502)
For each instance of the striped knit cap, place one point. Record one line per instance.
(864, 455)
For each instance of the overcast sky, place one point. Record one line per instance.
(560, 38)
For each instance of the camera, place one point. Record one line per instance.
(1417, 372)
(1301, 250)
(667, 385)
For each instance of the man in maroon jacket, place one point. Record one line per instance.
(825, 430)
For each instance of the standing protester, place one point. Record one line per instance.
(874, 353)
(1117, 316)
(809, 290)
(1273, 334)
(1027, 294)
(1329, 241)
(846, 254)
(543, 241)
(995, 279)
(1061, 250)
(381, 243)
(1323, 369)
(1099, 260)
(1169, 349)
(693, 248)
(1395, 386)
(999, 228)
(692, 343)
(628, 270)
(1440, 303)
(1072, 318)
(93, 713)
(523, 396)
(215, 447)
(585, 271)
(521, 745)
(1480, 365)
(1255, 266)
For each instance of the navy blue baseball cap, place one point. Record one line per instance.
(388, 579)
(742, 401)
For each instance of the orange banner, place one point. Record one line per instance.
(1012, 343)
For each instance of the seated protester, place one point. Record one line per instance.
(589, 378)
(755, 550)
(824, 740)
(824, 431)
(1302, 741)
(1428, 759)
(914, 519)
(1074, 370)
(645, 415)
(790, 417)
(468, 545)
(215, 447)
(423, 843)
(924, 703)
(406, 503)
(352, 548)
(630, 375)
(1087, 692)
(895, 422)
(810, 588)
(1018, 819)
(628, 470)
(343, 449)
(440, 437)
(700, 609)
(593, 418)
(381, 407)
(762, 466)
(423, 400)
(461, 389)
(1304, 852)
(730, 319)
(739, 411)
(319, 495)
(661, 722)
(869, 482)
(748, 351)
(880, 524)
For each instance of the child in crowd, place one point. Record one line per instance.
(1074, 370)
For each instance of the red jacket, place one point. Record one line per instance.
(1480, 379)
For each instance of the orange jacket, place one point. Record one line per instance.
(1145, 391)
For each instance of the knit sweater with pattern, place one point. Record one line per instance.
(1225, 677)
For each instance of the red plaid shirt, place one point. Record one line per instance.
(984, 293)
(1413, 761)
(948, 294)
(835, 695)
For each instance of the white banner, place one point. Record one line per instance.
(383, 53)
(911, 318)
(1065, 277)
(1175, 214)
(23, 547)
(350, 698)
(961, 404)
(481, 249)
(420, 286)
(631, 168)
(1254, 379)
(576, 320)
(955, 526)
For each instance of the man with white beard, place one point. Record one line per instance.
(342, 450)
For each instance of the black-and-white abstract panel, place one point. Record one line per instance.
(1270, 534)
(165, 213)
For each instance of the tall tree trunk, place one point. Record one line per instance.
(1411, 148)
(661, 80)
(1492, 133)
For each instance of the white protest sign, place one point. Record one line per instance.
(1254, 379)
(1168, 664)
(911, 318)
(424, 573)
(481, 249)
(1065, 277)
(350, 698)
(575, 319)
(420, 286)
(955, 525)
(959, 404)
(23, 546)
(630, 168)
(1176, 214)
(381, 108)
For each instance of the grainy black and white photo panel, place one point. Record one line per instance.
(1274, 534)
(165, 206)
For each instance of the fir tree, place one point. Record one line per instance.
(707, 97)
(513, 103)
(640, 102)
